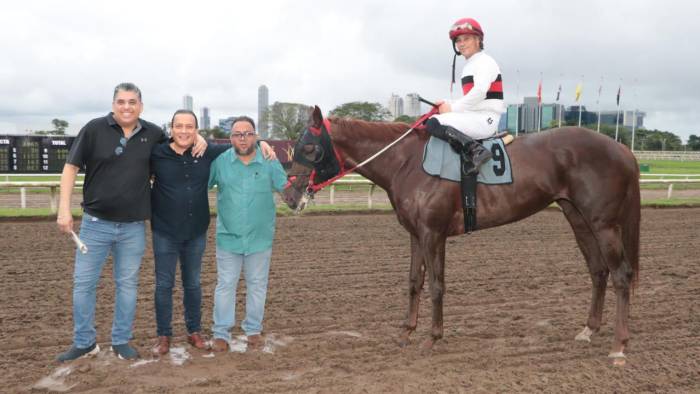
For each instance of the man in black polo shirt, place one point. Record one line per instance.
(179, 223)
(115, 151)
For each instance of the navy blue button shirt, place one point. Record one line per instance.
(179, 199)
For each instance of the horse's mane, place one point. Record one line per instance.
(362, 128)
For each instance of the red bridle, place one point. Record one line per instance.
(313, 188)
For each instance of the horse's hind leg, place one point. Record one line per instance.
(596, 267)
(433, 247)
(610, 241)
(415, 287)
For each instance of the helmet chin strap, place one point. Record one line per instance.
(454, 61)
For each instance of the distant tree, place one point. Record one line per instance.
(214, 132)
(406, 119)
(693, 142)
(287, 120)
(657, 140)
(373, 112)
(59, 126)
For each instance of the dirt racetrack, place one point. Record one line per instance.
(516, 297)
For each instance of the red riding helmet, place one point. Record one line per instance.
(466, 26)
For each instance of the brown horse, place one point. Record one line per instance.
(594, 180)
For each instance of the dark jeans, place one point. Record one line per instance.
(166, 252)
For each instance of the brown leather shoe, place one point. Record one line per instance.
(162, 347)
(219, 345)
(195, 339)
(255, 342)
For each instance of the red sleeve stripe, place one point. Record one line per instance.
(495, 90)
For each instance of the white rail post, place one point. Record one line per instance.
(670, 191)
(23, 197)
(369, 196)
(332, 194)
(52, 199)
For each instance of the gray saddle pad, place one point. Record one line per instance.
(440, 160)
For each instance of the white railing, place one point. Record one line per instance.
(349, 180)
(53, 187)
(667, 155)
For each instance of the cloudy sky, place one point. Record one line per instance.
(62, 59)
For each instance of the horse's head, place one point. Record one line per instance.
(314, 162)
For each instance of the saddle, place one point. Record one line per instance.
(439, 159)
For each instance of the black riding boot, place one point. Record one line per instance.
(470, 150)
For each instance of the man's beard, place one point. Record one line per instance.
(246, 152)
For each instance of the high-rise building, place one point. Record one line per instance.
(205, 121)
(525, 117)
(187, 102)
(628, 118)
(263, 103)
(225, 124)
(395, 106)
(412, 105)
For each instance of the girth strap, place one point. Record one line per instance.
(468, 195)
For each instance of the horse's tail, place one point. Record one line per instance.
(631, 223)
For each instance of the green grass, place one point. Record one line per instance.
(671, 167)
(674, 202)
(33, 212)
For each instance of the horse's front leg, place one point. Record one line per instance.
(416, 277)
(434, 254)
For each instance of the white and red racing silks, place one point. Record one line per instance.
(482, 86)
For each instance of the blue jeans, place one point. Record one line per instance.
(256, 268)
(126, 242)
(166, 252)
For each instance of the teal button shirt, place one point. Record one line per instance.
(245, 202)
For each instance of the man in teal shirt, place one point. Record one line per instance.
(245, 228)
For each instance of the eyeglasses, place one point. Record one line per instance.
(120, 149)
(240, 136)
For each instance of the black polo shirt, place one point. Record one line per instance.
(180, 197)
(117, 175)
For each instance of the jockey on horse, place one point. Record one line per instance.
(475, 115)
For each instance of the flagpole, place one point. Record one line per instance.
(600, 89)
(539, 105)
(580, 109)
(558, 94)
(634, 119)
(617, 121)
(517, 106)
(617, 115)
(634, 124)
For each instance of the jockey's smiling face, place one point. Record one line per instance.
(467, 44)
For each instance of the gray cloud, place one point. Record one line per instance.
(63, 59)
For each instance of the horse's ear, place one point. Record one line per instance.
(316, 117)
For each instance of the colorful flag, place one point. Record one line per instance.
(558, 92)
(539, 92)
(619, 89)
(579, 89)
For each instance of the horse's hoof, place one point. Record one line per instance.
(427, 346)
(584, 335)
(404, 336)
(619, 358)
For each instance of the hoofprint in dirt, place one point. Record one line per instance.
(516, 297)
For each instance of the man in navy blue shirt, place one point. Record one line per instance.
(180, 218)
